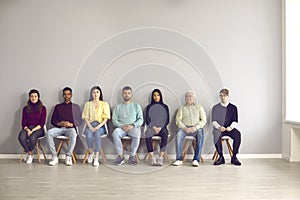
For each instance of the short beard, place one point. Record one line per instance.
(127, 99)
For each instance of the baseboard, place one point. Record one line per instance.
(172, 156)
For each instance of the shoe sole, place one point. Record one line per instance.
(133, 163)
(53, 164)
(177, 164)
(121, 163)
(219, 164)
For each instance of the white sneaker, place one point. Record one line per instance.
(195, 163)
(25, 157)
(90, 158)
(68, 161)
(54, 161)
(159, 161)
(177, 163)
(29, 159)
(96, 162)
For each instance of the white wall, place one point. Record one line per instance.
(51, 44)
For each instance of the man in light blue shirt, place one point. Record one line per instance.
(127, 118)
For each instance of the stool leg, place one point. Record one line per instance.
(146, 156)
(38, 151)
(43, 151)
(186, 146)
(74, 157)
(102, 155)
(201, 159)
(85, 156)
(123, 144)
(229, 147)
(59, 147)
(137, 158)
(215, 156)
(22, 155)
(167, 157)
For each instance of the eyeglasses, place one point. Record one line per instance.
(222, 95)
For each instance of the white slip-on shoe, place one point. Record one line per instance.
(177, 163)
(195, 163)
(53, 161)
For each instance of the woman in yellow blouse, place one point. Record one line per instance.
(96, 112)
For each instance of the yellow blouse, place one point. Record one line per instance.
(92, 113)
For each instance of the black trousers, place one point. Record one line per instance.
(29, 142)
(164, 138)
(233, 134)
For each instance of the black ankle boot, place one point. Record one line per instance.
(220, 161)
(235, 161)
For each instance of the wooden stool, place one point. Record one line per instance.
(38, 147)
(101, 149)
(226, 139)
(66, 139)
(101, 152)
(192, 140)
(158, 140)
(129, 139)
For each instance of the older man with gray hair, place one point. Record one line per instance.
(190, 120)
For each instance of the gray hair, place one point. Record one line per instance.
(191, 92)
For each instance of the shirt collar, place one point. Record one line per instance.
(70, 103)
(225, 104)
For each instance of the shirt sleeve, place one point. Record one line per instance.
(115, 120)
(148, 119)
(202, 120)
(54, 118)
(24, 117)
(234, 123)
(179, 122)
(214, 118)
(216, 124)
(77, 116)
(86, 109)
(106, 111)
(43, 117)
(168, 116)
(139, 117)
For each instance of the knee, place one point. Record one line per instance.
(180, 134)
(148, 139)
(136, 133)
(237, 133)
(164, 135)
(22, 135)
(88, 133)
(73, 135)
(50, 134)
(32, 139)
(116, 133)
(200, 133)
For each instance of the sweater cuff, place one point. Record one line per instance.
(233, 125)
(216, 124)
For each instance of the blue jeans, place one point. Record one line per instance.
(199, 135)
(54, 132)
(97, 135)
(134, 133)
